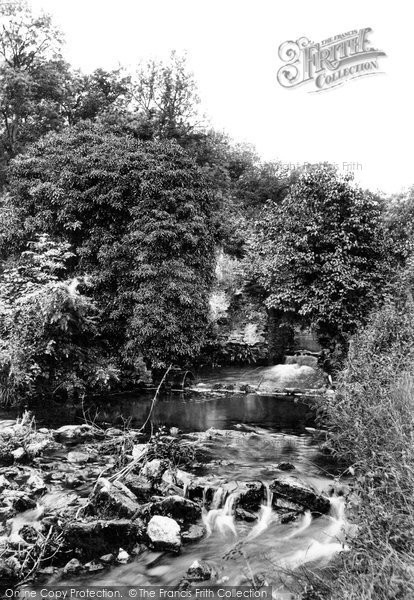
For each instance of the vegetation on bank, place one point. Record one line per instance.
(371, 430)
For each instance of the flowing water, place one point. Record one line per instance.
(255, 434)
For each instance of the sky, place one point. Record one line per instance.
(365, 126)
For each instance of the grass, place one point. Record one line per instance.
(371, 430)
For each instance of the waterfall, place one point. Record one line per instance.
(265, 515)
(304, 524)
(337, 519)
(220, 518)
(318, 550)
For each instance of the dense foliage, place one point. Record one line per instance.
(319, 253)
(139, 219)
(49, 337)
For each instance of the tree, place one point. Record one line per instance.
(165, 93)
(32, 72)
(92, 96)
(319, 253)
(139, 218)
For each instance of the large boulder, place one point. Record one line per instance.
(92, 539)
(294, 491)
(113, 499)
(177, 507)
(164, 533)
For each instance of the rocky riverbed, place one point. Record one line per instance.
(79, 501)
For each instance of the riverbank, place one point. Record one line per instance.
(370, 423)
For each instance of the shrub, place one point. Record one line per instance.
(371, 424)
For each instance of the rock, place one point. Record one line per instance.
(282, 504)
(100, 538)
(74, 481)
(153, 469)
(178, 508)
(123, 557)
(113, 499)
(23, 502)
(74, 434)
(43, 430)
(8, 573)
(57, 502)
(288, 517)
(193, 534)
(29, 534)
(140, 486)
(93, 566)
(36, 483)
(19, 454)
(199, 571)
(285, 466)
(164, 533)
(294, 491)
(139, 450)
(16, 541)
(245, 515)
(107, 559)
(250, 495)
(47, 571)
(79, 457)
(177, 477)
(72, 567)
(4, 483)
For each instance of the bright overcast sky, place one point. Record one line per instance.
(232, 48)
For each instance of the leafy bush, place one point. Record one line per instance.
(49, 330)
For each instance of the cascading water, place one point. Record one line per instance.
(328, 544)
(303, 525)
(220, 518)
(266, 515)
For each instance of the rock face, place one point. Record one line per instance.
(164, 533)
(113, 499)
(292, 491)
